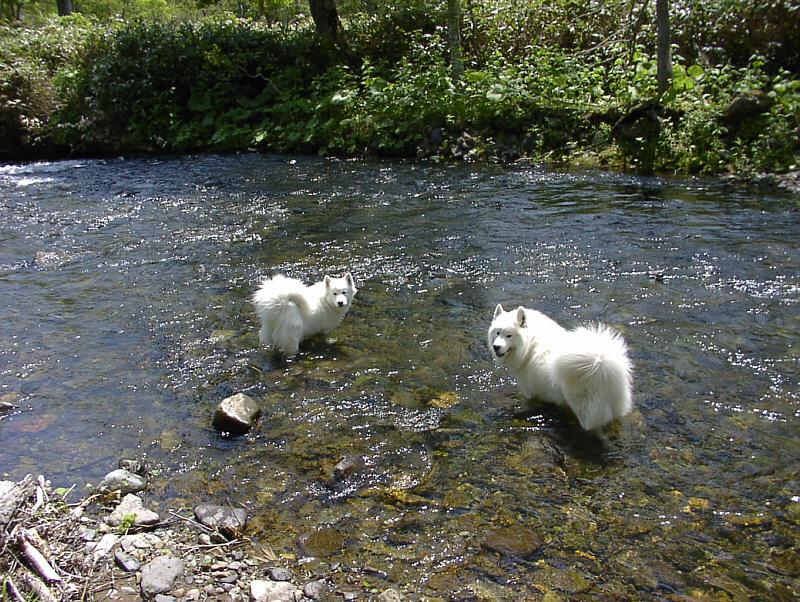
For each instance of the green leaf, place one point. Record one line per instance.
(200, 100)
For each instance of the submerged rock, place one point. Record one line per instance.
(236, 414)
(515, 540)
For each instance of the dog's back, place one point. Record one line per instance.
(594, 372)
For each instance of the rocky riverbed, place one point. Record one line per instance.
(111, 546)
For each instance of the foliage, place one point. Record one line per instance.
(545, 79)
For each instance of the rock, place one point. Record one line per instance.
(105, 545)
(390, 595)
(134, 465)
(123, 481)
(463, 146)
(131, 505)
(641, 124)
(277, 573)
(139, 541)
(236, 415)
(744, 106)
(315, 590)
(272, 591)
(348, 465)
(323, 542)
(159, 576)
(230, 522)
(126, 562)
(512, 541)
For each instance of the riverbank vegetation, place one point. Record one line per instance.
(569, 81)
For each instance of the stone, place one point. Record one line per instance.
(105, 545)
(159, 575)
(126, 562)
(315, 590)
(139, 541)
(514, 540)
(641, 123)
(277, 573)
(230, 522)
(123, 481)
(236, 414)
(746, 105)
(320, 543)
(131, 505)
(390, 595)
(272, 591)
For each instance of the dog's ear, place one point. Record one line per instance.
(349, 277)
(521, 320)
(327, 281)
(498, 310)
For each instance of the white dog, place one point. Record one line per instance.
(290, 311)
(586, 369)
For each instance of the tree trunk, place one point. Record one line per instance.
(664, 48)
(326, 18)
(454, 37)
(64, 8)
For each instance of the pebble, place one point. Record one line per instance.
(315, 590)
(279, 574)
(127, 563)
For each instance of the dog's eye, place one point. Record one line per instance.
(508, 336)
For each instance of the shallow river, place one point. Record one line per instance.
(125, 319)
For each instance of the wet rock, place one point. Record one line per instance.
(159, 576)
(346, 467)
(131, 505)
(271, 591)
(315, 590)
(277, 573)
(320, 543)
(236, 414)
(463, 147)
(512, 541)
(123, 481)
(134, 465)
(230, 522)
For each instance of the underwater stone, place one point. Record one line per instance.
(236, 414)
(512, 541)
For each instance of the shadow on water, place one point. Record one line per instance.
(395, 447)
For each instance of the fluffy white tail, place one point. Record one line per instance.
(594, 372)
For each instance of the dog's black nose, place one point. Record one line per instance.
(496, 348)
(341, 303)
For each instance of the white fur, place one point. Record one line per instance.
(586, 369)
(290, 311)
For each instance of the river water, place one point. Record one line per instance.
(125, 319)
